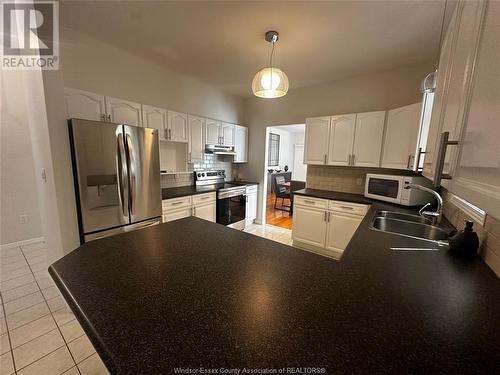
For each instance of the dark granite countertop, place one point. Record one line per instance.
(191, 293)
(334, 195)
(182, 191)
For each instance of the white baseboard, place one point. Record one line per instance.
(22, 243)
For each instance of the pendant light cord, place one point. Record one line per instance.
(441, 34)
(271, 55)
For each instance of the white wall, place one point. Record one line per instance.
(366, 93)
(18, 192)
(92, 65)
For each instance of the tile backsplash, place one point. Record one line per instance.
(489, 234)
(210, 161)
(344, 179)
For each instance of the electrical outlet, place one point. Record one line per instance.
(23, 219)
(359, 181)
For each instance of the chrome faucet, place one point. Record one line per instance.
(434, 215)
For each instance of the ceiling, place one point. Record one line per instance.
(223, 44)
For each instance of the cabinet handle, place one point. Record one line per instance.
(103, 117)
(165, 133)
(175, 203)
(328, 219)
(194, 211)
(408, 162)
(353, 159)
(324, 216)
(310, 202)
(347, 207)
(202, 198)
(109, 118)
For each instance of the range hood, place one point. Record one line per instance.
(219, 150)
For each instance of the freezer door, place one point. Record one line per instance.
(143, 161)
(100, 167)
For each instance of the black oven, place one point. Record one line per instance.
(231, 207)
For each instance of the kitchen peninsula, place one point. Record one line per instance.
(191, 293)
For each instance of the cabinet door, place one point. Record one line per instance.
(309, 226)
(240, 144)
(251, 208)
(156, 118)
(195, 145)
(177, 127)
(212, 132)
(341, 228)
(368, 139)
(84, 105)
(123, 111)
(206, 212)
(176, 214)
(341, 139)
(477, 178)
(316, 140)
(401, 133)
(227, 133)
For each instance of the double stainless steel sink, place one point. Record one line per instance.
(407, 225)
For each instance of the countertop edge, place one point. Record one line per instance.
(89, 330)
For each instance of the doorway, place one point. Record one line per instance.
(285, 172)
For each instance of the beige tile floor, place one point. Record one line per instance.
(39, 334)
(271, 232)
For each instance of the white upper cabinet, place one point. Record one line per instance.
(123, 111)
(177, 126)
(316, 140)
(401, 133)
(240, 144)
(196, 145)
(341, 139)
(368, 139)
(84, 105)
(455, 75)
(227, 134)
(156, 118)
(212, 132)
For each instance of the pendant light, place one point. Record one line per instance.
(270, 82)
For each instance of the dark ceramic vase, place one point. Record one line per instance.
(465, 242)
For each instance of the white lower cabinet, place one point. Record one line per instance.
(251, 205)
(309, 226)
(341, 228)
(202, 206)
(325, 226)
(206, 211)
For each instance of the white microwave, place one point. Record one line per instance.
(390, 188)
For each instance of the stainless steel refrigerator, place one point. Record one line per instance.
(116, 171)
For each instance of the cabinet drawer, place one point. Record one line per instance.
(175, 203)
(251, 189)
(348, 207)
(176, 214)
(310, 202)
(203, 198)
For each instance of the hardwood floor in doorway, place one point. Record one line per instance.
(275, 217)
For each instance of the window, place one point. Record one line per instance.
(425, 124)
(273, 156)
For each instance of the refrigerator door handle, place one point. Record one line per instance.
(131, 162)
(121, 167)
